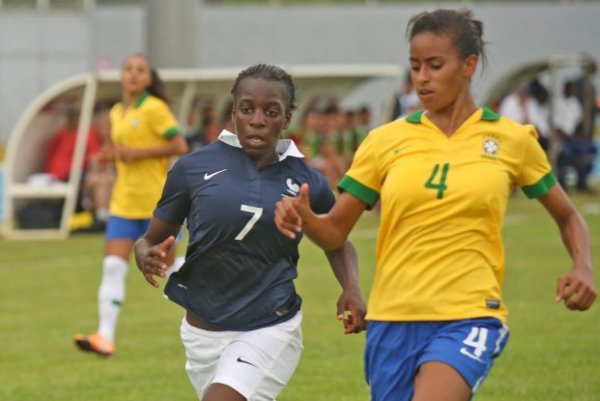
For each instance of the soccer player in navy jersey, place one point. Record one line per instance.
(241, 330)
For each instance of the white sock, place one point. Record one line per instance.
(111, 294)
(102, 215)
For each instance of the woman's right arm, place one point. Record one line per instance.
(330, 230)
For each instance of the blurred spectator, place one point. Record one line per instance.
(514, 106)
(100, 177)
(226, 121)
(320, 122)
(62, 148)
(567, 112)
(207, 132)
(210, 129)
(407, 100)
(585, 92)
(364, 125)
(539, 112)
(575, 150)
(192, 127)
(529, 105)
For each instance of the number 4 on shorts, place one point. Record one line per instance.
(440, 185)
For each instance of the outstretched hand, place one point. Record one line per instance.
(127, 154)
(152, 262)
(290, 212)
(576, 289)
(351, 311)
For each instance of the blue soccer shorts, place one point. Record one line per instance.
(395, 350)
(131, 229)
(120, 228)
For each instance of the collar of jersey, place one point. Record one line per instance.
(141, 99)
(487, 114)
(285, 147)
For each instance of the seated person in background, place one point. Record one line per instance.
(62, 148)
(226, 120)
(100, 177)
(529, 105)
(209, 130)
(576, 151)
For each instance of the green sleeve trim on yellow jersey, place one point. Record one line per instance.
(415, 117)
(541, 187)
(171, 132)
(355, 188)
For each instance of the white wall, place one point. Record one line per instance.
(38, 49)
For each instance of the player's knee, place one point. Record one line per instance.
(114, 266)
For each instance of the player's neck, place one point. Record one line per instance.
(449, 119)
(129, 98)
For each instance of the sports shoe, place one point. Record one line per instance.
(95, 343)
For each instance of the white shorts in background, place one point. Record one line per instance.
(257, 363)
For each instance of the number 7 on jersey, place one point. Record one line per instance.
(256, 213)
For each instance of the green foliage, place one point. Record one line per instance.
(48, 293)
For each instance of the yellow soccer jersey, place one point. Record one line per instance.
(148, 123)
(439, 249)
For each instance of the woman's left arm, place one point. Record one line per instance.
(576, 288)
(351, 308)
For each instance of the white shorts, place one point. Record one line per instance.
(257, 363)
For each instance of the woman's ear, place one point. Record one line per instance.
(470, 66)
(288, 120)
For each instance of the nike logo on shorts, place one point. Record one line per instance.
(211, 175)
(240, 360)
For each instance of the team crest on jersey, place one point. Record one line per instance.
(490, 147)
(292, 187)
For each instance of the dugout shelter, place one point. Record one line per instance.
(24, 182)
(552, 72)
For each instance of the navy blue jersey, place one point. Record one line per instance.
(239, 269)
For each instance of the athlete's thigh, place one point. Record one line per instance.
(439, 381)
(202, 351)
(259, 363)
(463, 349)
(391, 357)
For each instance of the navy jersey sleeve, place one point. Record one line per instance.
(174, 204)
(321, 195)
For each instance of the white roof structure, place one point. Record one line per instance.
(27, 145)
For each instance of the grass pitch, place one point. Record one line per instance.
(48, 293)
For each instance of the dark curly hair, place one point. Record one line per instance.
(270, 73)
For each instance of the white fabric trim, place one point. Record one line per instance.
(284, 148)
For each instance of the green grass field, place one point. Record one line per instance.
(48, 293)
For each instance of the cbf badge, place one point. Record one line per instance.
(490, 147)
(134, 122)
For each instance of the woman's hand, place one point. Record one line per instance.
(351, 311)
(291, 212)
(151, 260)
(576, 288)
